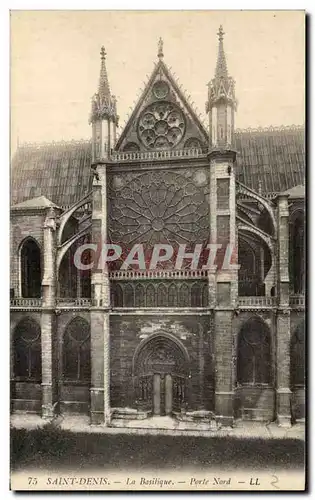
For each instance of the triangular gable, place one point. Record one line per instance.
(35, 203)
(162, 118)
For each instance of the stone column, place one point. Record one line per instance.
(223, 352)
(283, 316)
(100, 347)
(48, 332)
(226, 285)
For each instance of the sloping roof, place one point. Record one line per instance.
(39, 202)
(296, 192)
(274, 157)
(61, 171)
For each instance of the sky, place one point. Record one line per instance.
(55, 64)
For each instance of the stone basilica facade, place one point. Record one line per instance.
(195, 344)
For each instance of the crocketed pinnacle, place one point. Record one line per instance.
(221, 68)
(103, 103)
(222, 86)
(103, 87)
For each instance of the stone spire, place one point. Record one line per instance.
(221, 68)
(222, 85)
(221, 103)
(103, 86)
(103, 102)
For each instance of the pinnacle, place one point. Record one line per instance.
(221, 68)
(103, 87)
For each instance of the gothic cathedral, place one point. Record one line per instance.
(121, 341)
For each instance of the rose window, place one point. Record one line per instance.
(158, 207)
(161, 125)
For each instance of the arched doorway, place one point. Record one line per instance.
(161, 369)
(255, 398)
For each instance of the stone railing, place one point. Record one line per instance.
(257, 301)
(297, 301)
(74, 302)
(136, 275)
(157, 155)
(21, 302)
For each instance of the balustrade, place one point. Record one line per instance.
(259, 301)
(23, 302)
(297, 300)
(157, 155)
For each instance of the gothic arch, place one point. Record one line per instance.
(297, 355)
(255, 260)
(258, 233)
(65, 217)
(158, 339)
(73, 282)
(27, 363)
(254, 352)
(297, 250)
(62, 250)
(244, 215)
(76, 350)
(30, 265)
(117, 295)
(242, 189)
(161, 295)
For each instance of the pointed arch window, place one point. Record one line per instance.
(27, 351)
(30, 269)
(196, 291)
(184, 296)
(129, 297)
(76, 351)
(172, 295)
(205, 295)
(117, 296)
(139, 296)
(150, 296)
(298, 356)
(254, 356)
(161, 295)
(297, 251)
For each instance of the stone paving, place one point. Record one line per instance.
(164, 426)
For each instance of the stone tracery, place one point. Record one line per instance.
(159, 207)
(161, 124)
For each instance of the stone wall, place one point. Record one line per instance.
(126, 333)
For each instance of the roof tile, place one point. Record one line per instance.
(274, 157)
